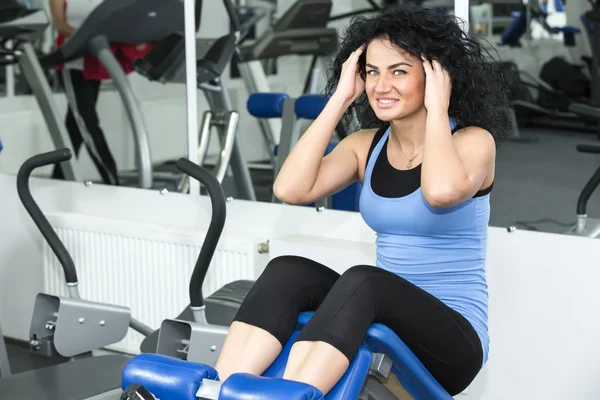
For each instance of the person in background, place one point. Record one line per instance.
(82, 120)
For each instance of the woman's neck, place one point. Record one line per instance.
(409, 132)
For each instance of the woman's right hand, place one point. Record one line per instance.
(351, 85)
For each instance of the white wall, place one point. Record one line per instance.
(544, 300)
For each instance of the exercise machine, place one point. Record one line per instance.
(301, 30)
(165, 63)
(591, 22)
(69, 326)
(19, 27)
(292, 112)
(292, 34)
(74, 328)
(585, 226)
(111, 22)
(189, 349)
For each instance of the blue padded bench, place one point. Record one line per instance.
(266, 105)
(169, 379)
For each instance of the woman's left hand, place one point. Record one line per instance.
(438, 86)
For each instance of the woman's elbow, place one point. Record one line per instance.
(443, 197)
(286, 195)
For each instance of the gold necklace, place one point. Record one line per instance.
(410, 160)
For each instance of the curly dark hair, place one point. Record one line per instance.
(480, 95)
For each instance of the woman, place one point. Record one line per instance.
(82, 120)
(426, 194)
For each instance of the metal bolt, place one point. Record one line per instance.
(102, 323)
(164, 191)
(263, 247)
(81, 320)
(213, 348)
(511, 229)
(229, 199)
(320, 209)
(88, 183)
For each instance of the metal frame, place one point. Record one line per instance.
(220, 102)
(4, 361)
(100, 48)
(71, 326)
(32, 70)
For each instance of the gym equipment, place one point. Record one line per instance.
(528, 111)
(301, 30)
(70, 326)
(165, 63)
(19, 26)
(591, 22)
(292, 111)
(382, 357)
(4, 362)
(588, 227)
(74, 327)
(111, 22)
(200, 328)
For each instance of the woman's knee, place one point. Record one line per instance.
(297, 269)
(359, 274)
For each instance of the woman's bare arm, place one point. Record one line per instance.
(59, 19)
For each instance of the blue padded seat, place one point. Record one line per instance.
(309, 106)
(169, 378)
(266, 105)
(413, 375)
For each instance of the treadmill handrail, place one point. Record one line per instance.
(213, 234)
(585, 111)
(236, 26)
(23, 189)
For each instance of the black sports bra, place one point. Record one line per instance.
(405, 182)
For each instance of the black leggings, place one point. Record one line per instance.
(346, 305)
(86, 96)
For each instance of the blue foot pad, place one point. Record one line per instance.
(250, 387)
(167, 378)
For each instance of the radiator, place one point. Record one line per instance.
(142, 266)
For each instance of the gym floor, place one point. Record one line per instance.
(537, 184)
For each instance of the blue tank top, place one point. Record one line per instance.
(440, 250)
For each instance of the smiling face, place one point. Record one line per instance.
(394, 82)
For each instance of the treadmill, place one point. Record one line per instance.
(301, 30)
(21, 26)
(111, 22)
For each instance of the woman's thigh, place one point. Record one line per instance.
(440, 337)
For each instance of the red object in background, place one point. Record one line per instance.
(125, 54)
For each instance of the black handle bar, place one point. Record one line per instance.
(592, 184)
(233, 17)
(217, 222)
(38, 161)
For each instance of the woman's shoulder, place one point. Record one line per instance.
(363, 141)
